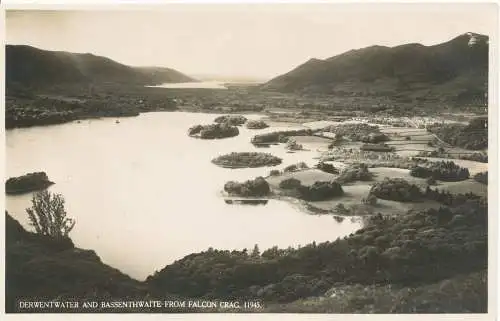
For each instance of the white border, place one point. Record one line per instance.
(493, 192)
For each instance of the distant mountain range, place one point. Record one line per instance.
(30, 66)
(457, 68)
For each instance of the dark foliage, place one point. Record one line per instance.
(256, 124)
(27, 183)
(396, 189)
(482, 177)
(232, 120)
(355, 172)
(328, 168)
(408, 250)
(247, 159)
(472, 136)
(320, 191)
(279, 136)
(251, 188)
(213, 131)
(444, 171)
(290, 183)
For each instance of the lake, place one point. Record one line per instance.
(198, 84)
(145, 194)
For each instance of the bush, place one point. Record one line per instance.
(290, 183)
(48, 216)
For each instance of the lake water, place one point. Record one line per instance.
(144, 194)
(200, 84)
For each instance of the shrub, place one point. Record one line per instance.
(48, 216)
(290, 183)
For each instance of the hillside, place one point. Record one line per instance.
(29, 66)
(457, 69)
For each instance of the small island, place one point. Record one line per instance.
(233, 120)
(213, 131)
(252, 188)
(27, 183)
(257, 124)
(247, 160)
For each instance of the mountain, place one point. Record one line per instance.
(31, 66)
(457, 67)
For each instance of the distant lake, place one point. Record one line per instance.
(144, 194)
(201, 84)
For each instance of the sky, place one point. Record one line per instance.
(256, 41)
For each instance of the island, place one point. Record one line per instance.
(257, 124)
(233, 120)
(27, 183)
(213, 131)
(246, 160)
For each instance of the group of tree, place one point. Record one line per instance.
(279, 136)
(213, 131)
(471, 136)
(355, 172)
(251, 188)
(357, 132)
(246, 159)
(396, 189)
(444, 170)
(320, 191)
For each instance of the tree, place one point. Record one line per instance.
(255, 251)
(48, 216)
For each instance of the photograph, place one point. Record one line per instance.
(251, 158)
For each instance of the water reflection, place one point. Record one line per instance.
(246, 202)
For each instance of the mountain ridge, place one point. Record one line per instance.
(455, 67)
(31, 66)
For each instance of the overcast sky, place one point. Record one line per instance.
(259, 41)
